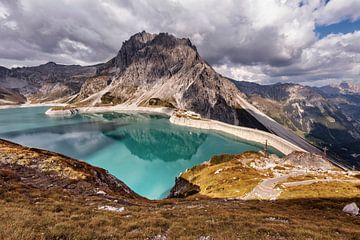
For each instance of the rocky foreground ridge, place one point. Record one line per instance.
(44, 195)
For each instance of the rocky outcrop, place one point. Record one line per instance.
(307, 161)
(351, 209)
(93, 85)
(183, 188)
(50, 171)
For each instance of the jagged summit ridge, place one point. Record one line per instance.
(144, 45)
(161, 66)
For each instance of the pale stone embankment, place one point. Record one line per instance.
(249, 134)
(117, 108)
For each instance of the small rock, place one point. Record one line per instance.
(111, 208)
(275, 219)
(205, 238)
(101, 192)
(352, 209)
(159, 237)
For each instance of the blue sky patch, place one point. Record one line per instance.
(345, 26)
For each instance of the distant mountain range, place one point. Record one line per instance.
(161, 70)
(327, 119)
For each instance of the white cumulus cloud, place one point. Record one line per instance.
(254, 40)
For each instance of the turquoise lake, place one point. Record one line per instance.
(145, 151)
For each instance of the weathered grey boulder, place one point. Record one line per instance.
(352, 209)
(183, 188)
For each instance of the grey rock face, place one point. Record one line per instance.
(46, 82)
(307, 160)
(183, 189)
(351, 209)
(160, 66)
(326, 118)
(11, 96)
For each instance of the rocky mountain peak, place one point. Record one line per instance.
(50, 64)
(344, 85)
(3, 71)
(148, 46)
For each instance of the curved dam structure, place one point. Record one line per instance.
(244, 133)
(248, 134)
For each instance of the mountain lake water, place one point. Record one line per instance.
(145, 151)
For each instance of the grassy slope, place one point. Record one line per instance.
(226, 176)
(55, 216)
(322, 190)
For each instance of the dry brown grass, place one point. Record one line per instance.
(58, 216)
(334, 189)
(32, 211)
(319, 176)
(225, 176)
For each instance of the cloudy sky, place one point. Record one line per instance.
(308, 41)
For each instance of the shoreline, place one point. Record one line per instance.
(118, 108)
(28, 105)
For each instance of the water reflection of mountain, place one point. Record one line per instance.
(146, 136)
(138, 117)
(93, 126)
(77, 140)
(151, 141)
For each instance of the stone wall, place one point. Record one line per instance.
(248, 134)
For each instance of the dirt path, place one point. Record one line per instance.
(266, 189)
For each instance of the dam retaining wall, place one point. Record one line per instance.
(245, 133)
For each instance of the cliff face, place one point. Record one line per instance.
(170, 70)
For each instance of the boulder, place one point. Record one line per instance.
(352, 209)
(183, 188)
